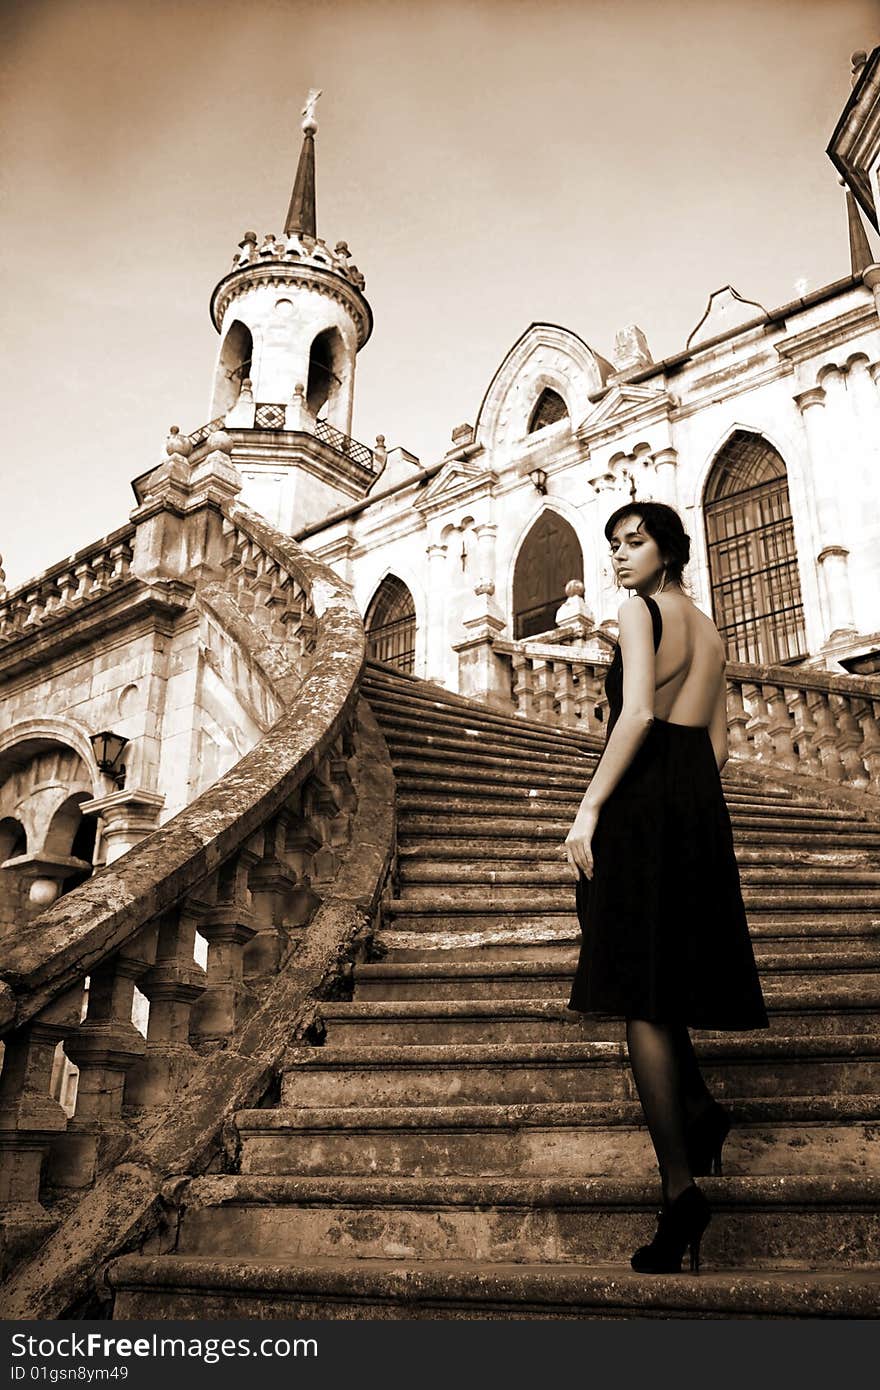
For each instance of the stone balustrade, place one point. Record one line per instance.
(800, 721)
(277, 867)
(82, 579)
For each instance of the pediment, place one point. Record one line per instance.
(456, 478)
(624, 402)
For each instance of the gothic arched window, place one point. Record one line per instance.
(549, 557)
(324, 366)
(549, 408)
(391, 625)
(756, 591)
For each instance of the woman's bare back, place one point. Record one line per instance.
(690, 660)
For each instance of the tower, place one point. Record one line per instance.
(292, 317)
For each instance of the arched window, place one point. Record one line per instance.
(391, 625)
(549, 408)
(233, 367)
(549, 557)
(324, 363)
(13, 839)
(756, 591)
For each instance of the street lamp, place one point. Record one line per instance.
(107, 748)
(539, 478)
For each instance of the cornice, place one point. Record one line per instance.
(822, 337)
(292, 274)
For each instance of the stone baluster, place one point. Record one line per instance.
(779, 726)
(271, 879)
(227, 922)
(172, 986)
(85, 581)
(804, 735)
(105, 1048)
(865, 712)
(849, 743)
(544, 695)
(522, 684)
(67, 587)
(825, 736)
(33, 602)
(30, 1120)
(753, 699)
(564, 693)
(737, 721)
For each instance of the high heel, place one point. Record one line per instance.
(681, 1224)
(704, 1137)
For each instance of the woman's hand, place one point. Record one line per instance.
(578, 842)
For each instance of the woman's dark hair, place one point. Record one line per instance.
(663, 524)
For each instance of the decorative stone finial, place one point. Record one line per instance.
(574, 588)
(858, 60)
(219, 441)
(310, 125)
(177, 443)
(2, 578)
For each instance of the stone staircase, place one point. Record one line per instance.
(463, 1146)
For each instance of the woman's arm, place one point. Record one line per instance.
(636, 636)
(718, 726)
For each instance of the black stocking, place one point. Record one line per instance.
(653, 1058)
(695, 1094)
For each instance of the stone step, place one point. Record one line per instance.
(551, 979)
(549, 1140)
(551, 870)
(821, 1007)
(499, 850)
(419, 826)
(783, 1221)
(415, 795)
(445, 898)
(159, 1287)
(756, 1064)
(517, 929)
(442, 705)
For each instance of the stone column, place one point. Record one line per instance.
(833, 556)
(666, 466)
(128, 816)
(482, 673)
(436, 614)
(862, 380)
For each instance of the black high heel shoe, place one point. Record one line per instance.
(681, 1224)
(704, 1137)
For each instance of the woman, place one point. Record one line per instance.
(665, 942)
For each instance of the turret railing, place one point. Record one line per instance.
(276, 870)
(796, 720)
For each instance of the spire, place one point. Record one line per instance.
(860, 255)
(301, 215)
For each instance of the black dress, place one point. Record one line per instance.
(664, 931)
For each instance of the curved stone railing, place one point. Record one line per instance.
(278, 867)
(796, 720)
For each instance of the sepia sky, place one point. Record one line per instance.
(490, 162)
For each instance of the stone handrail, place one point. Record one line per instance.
(278, 866)
(796, 720)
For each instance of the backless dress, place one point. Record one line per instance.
(664, 934)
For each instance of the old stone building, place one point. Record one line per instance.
(199, 774)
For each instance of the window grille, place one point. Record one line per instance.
(391, 625)
(756, 593)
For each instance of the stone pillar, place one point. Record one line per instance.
(833, 556)
(666, 466)
(436, 614)
(482, 673)
(128, 817)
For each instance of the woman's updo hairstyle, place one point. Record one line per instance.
(663, 524)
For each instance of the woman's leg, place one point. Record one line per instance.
(654, 1062)
(695, 1094)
